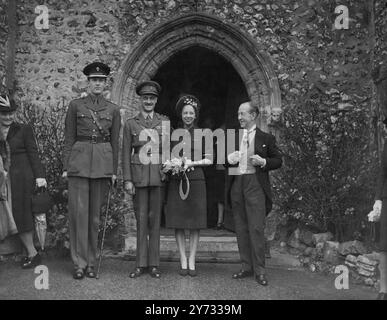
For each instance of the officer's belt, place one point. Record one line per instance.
(137, 149)
(92, 139)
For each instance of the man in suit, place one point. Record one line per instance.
(145, 180)
(251, 198)
(90, 162)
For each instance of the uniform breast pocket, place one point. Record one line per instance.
(106, 119)
(83, 118)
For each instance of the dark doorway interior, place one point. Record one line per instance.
(220, 89)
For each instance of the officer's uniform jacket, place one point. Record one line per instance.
(93, 158)
(142, 175)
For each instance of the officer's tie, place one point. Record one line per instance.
(148, 121)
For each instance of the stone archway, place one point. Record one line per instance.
(151, 52)
(160, 44)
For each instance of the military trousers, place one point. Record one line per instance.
(86, 197)
(249, 211)
(147, 207)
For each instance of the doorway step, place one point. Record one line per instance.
(214, 246)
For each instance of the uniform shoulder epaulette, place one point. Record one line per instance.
(78, 99)
(164, 117)
(113, 104)
(131, 117)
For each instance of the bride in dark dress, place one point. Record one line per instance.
(191, 213)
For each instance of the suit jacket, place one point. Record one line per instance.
(381, 187)
(265, 146)
(142, 175)
(85, 159)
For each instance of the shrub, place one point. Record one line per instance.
(328, 178)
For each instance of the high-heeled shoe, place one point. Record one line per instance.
(31, 262)
(192, 273)
(219, 226)
(183, 272)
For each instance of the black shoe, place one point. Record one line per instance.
(192, 273)
(261, 279)
(155, 272)
(382, 296)
(90, 273)
(183, 272)
(219, 226)
(78, 274)
(242, 274)
(137, 272)
(32, 262)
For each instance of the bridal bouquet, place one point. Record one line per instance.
(177, 166)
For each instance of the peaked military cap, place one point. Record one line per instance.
(96, 70)
(12, 103)
(148, 87)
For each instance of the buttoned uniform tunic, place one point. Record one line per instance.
(90, 162)
(148, 182)
(85, 159)
(133, 169)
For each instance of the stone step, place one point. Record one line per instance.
(210, 248)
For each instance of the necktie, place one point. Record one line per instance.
(148, 120)
(246, 140)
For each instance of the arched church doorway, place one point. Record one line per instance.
(200, 54)
(214, 81)
(208, 76)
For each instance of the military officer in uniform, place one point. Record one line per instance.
(90, 163)
(144, 181)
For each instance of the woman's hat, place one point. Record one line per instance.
(10, 108)
(187, 99)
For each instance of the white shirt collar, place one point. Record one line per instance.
(254, 127)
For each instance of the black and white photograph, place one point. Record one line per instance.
(193, 156)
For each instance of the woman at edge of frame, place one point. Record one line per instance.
(26, 171)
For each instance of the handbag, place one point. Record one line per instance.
(41, 201)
